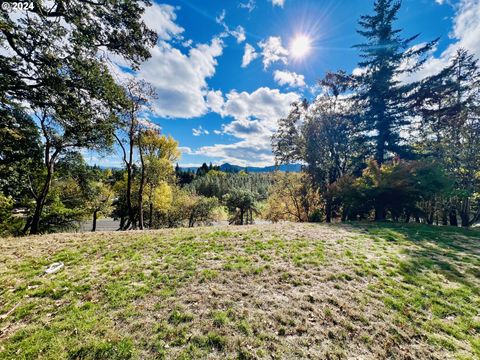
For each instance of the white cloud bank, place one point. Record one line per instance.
(179, 78)
(255, 117)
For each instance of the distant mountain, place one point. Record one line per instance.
(252, 169)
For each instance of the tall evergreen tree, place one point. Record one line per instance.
(386, 56)
(450, 109)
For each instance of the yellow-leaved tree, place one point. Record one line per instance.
(157, 155)
(292, 198)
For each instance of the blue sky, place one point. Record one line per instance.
(225, 71)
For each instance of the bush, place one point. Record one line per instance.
(392, 190)
(188, 209)
(292, 198)
(9, 225)
(241, 205)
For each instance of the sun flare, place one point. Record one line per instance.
(300, 46)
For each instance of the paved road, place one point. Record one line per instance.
(102, 225)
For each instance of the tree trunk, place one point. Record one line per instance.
(191, 219)
(430, 218)
(444, 217)
(380, 146)
(35, 223)
(142, 184)
(407, 217)
(465, 212)
(128, 164)
(452, 216)
(150, 220)
(328, 210)
(379, 212)
(40, 200)
(94, 224)
(129, 197)
(131, 213)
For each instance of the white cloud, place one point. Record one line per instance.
(289, 78)
(147, 123)
(249, 55)
(185, 149)
(180, 79)
(243, 153)
(189, 165)
(359, 71)
(467, 27)
(215, 100)
(187, 43)
(273, 51)
(278, 2)
(200, 131)
(220, 19)
(264, 104)
(465, 32)
(161, 18)
(238, 33)
(249, 5)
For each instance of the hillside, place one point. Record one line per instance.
(283, 291)
(226, 167)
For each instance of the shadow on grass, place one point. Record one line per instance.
(431, 280)
(451, 252)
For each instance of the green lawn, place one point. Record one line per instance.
(273, 291)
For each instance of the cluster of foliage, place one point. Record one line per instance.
(377, 147)
(293, 198)
(239, 192)
(218, 184)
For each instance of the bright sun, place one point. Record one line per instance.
(300, 46)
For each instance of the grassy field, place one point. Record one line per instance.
(284, 291)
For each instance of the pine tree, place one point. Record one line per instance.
(386, 56)
(450, 109)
